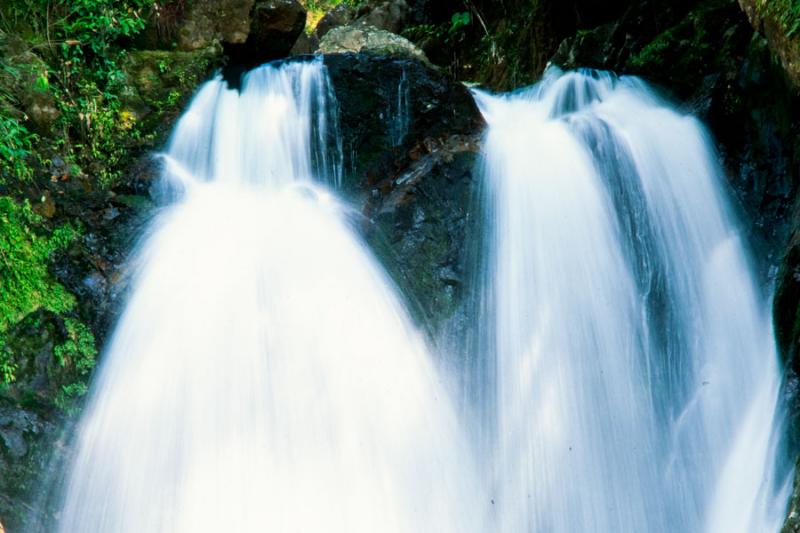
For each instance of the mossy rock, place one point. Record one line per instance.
(158, 82)
(779, 22)
(369, 40)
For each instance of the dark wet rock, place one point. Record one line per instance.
(415, 197)
(27, 441)
(305, 44)
(274, 29)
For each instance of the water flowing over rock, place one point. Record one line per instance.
(416, 197)
(288, 388)
(633, 382)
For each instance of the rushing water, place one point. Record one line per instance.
(264, 376)
(634, 379)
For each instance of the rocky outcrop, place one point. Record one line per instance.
(251, 31)
(415, 194)
(157, 82)
(779, 22)
(274, 29)
(341, 15)
(369, 40)
(207, 22)
(389, 15)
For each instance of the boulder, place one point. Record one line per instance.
(340, 15)
(415, 192)
(369, 40)
(274, 29)
(305, 44)
(209, 21)
(389, 15)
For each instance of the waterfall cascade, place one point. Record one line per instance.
(634, 383)
(264, 376)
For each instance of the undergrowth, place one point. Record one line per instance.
(67, 55)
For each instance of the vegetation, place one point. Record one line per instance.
(26, 285)
(317, 9)
(788, 14)
(69, 50)
(63, 60)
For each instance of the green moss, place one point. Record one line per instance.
(27, 288)
(76, 359)
(690, 36)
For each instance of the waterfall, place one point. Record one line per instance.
(635, 382)
(264, 375)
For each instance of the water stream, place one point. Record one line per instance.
(264, 375)
(634, 376)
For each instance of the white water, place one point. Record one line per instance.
(264, 376)
(635, 385)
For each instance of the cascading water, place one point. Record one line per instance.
(635, 383)
(264, 376)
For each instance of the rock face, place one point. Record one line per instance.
(274, 29)
(251, 31)
(158, 81)
(340, 15)
(369, 40)
(778, 21)
(210, 21)
(415, 194)
(389, 15)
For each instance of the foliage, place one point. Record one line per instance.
(76, 357)
(458, 21)
(317, 8)
(787, 13)
(26, 285)
(15, 149)
(78, 43)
